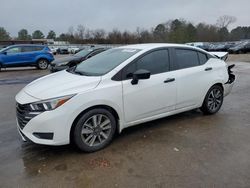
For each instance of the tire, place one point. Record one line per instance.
(94, 130)
(0, 67)
(42, 64)
(213, 100)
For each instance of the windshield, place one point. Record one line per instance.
(1, 50)
(104, 62)
(84, 52)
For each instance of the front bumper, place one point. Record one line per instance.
(47, 123)
(48, 128)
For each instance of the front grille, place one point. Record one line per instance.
(24, 114)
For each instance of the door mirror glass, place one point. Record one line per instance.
(140, 74)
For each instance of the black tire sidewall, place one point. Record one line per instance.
(77, 130)
(38, 66)
(205, 107)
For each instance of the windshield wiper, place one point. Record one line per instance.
(79, 72)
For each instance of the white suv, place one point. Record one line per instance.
(119, 88)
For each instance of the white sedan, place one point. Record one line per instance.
(119, 88)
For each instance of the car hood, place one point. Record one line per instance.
(65, 59)
(60, 84)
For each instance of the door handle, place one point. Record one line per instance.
(169, 80)
(208, 69)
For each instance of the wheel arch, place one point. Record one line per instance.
(106, 107)
(40, 58)
(216, 83)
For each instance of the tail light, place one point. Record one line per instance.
(230, 73)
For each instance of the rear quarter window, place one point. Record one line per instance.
(38, 48)
(187, 58)
(203, 58)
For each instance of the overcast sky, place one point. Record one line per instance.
(59, 15)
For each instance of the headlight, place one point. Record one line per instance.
(49, 104)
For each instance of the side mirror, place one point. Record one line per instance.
(140, 75)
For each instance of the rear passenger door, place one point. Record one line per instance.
(30, 53)
(27, 53)
(193, 77)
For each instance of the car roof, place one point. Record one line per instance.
(23, 45)
(156, 45)
(150, 46)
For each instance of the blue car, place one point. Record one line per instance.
(26, 55)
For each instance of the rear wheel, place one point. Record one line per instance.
(42, 64)
(213, 100)
(94, 130)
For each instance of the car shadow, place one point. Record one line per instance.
(34, 155)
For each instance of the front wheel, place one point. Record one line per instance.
(42, 64)
(213, 100)
(94, 130)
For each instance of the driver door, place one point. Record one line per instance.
(151, 97)
(12, 56)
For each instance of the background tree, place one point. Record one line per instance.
(99, 36)
(4, 35)
(80, 32)
(240, 33)
(37, 35)
(23, 35)
(160, 33)
(225, 21)
(51, 35)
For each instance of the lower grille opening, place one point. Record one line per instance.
(47, 136)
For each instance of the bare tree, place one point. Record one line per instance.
(225, 21)
(88, 34)
(71, 30)
(81, 32)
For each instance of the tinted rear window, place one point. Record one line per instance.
(186, 58)
(203, 58)
(32, 48)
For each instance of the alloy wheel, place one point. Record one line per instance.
(43, 64)
(215, 100)
(96, 130)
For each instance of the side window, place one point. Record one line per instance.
(27, 49)
(156, 62)
(203, 58)
(13, 50)
(38, 48)
(187, 58)
(95, 53)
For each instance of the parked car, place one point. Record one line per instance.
(72, 60)
(243, 47)
(26, 55)
(119, 88)
(73, 49)
(63, 50)
(53, 50)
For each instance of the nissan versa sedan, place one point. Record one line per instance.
(120, 88)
